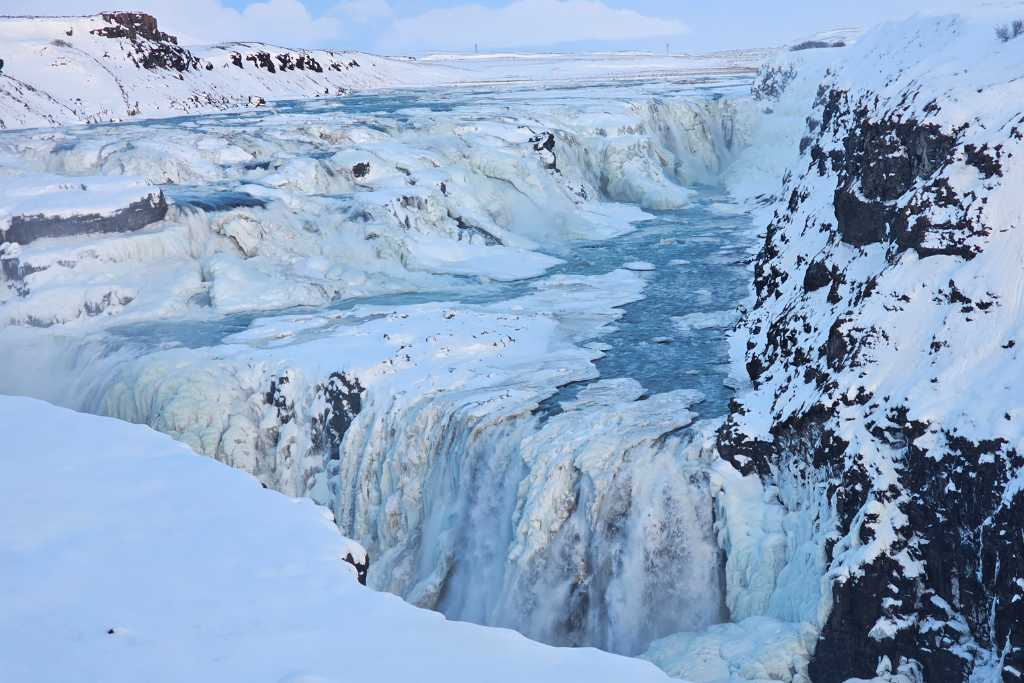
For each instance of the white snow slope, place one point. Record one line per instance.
(118, 66)
(128, 558)
(115, 66)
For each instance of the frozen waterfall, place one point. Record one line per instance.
(413, 316)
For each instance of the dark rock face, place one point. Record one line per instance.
(474, 231)
(771, 82)
(137, 215)
(544, 144)
(816, 45)
(134, 26)
(289, 61)
(926, 555)
(152, 48)
(362, 568)
(277, 398)
(335, 404)
(342, 399)
(361, 170)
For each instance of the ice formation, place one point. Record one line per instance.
(425, 427)
(381, 303)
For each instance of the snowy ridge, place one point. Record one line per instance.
(152, 552)
(882, 350)
(119, 65)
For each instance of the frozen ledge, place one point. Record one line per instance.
(35, 206)
(128, 557)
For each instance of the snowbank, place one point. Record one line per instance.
(128, 557)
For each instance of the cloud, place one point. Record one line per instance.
(524, 23)
(197, 22)
(363, 11)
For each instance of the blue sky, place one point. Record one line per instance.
(417, 26)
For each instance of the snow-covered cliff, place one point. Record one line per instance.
(119, 65)
(883, 350)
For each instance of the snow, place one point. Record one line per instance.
(221, 324)
(702, 321)
(491, 472)
(57, 71)
(755, 649)
(143, 560)
(554, 67)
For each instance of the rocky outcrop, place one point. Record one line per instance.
(544, 144)
(151, 47)
(816, 45)
(340, 399)
(882, 355)
(23, 229)
(362, 564)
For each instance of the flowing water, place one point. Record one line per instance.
(634, 557)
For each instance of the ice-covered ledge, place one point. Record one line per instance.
(126, 557)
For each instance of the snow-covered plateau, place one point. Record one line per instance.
(650, 354)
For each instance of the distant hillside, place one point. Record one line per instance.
(114, 66)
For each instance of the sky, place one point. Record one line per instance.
(421, 26)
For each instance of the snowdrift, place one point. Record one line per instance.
(127, 556)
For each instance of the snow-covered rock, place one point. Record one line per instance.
(126, 556)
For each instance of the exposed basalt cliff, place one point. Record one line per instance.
(151, 47)
(882, 355)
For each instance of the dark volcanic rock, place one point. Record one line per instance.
(816, 45)
(816, 276)
(137, 215)
(362, 568)
(152, 48)
(544, 144)
(342, 399)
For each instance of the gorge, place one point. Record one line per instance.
(715, 366)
